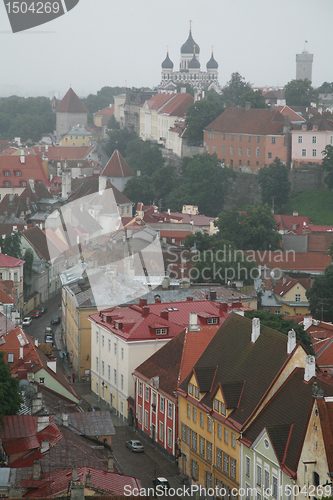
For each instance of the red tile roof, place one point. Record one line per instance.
(178, 106)
(290, 260)
(288, 283)
(8, 261)
(109, 110)
(158, 100)
(254, 121)
(32, 168)
(286, 111)
(117, 167)
(71, 104)
(292, 223)
(58, 153)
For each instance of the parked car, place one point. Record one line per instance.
(134, 445)
(161, 484)
(49, 339)
(36, 314)
(26, 321)
(55, 320)
(43, 310)
(94, 408)
(49, 330)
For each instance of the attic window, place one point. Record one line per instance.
(303, 126)
(190, 389)
(161, 331)
(212, 321)
(104, 318)
(223, 408)
(118, 326)
(315, 127)
(266, 443)
(216, 405)
(196, 392)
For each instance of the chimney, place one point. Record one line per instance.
(42, 423)
(169, 211)
(295, 214)
(212, 295)
(236, 305)
(102, 183)
(75, 475)
(45, 446)
(88, 480)
(224, 307)
(65, 419)
(165, 315)
(21, 353)
(291, 341)
(145, 311)
(183, 90)
(157, 299)
(247, 106)
(66, 185)
(77, 490)
(37, 402)
(193, 325)
(255, 329)
(310, 368)
(286, 124)
(36, 470)
(143, 302)
(36, 342)
(110, 463)
(52, 364)
(189, 299)
(30, 377)
(307, 322)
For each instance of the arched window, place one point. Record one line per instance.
(315, 479)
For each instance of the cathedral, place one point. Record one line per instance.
(189, 70)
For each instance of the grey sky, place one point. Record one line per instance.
(107, 43)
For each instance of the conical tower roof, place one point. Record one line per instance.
(117, 167)
(167, 63)
(71, 104)
(190, 46)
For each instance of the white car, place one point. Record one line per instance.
(26, 321)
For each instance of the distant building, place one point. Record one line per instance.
(70, 112)
(304, 66)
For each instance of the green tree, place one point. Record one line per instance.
(10, 395)
(11, 245)
(320, 296)
(164, 181)
(274, 182)
(144, 156)
(113, 124)
(201, 114)
(235, 89)
(299, 93)
(118, 139)
(327, 164)
(325, 88)
(255, 98)
(140, 189)
(279, 323)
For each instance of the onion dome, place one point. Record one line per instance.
(167, 63)
(212, 64)
(194, 63)
(189, 46)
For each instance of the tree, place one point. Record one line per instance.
(274, 182)
(164, 181)
(10, 396)
(325, 88)
(140, 189)
(327, 164)
(118, 139)
(201, 114)
(11, 245)
(235, 89)
(255, 98)
(144, 156)
(279, 323)
(299, 93)
(320, 296)
(103, 98)
(113, 124)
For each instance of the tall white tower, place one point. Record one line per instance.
(304, 66)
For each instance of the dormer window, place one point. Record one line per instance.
(104, 318)
(196, 392)
(212, 321)
(304, 126)
(7, 173)
(216, 405)
(315, 127)
(161, 331)
(223, 408)
(190, 389)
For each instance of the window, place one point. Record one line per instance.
(247, 466)
(140, 415)
(331, 139)
(258, 475)
(274, 487)
(248, 138)
(247, 491)
(183, 432)
(146, 419)
(223, 137)
(272, 140)
(122, 353)
(194, 470)
(266, 479)
(240, 151)
(122, 382)
(10, 358)
(258, 139)
(202, 446)
(18, 173)
(240, 138)
(169, 437)
(161, 431)
(109, 372)
(231, 150)
(314, 152)
(209, 424)
(303, 152)
(248, 151)
(208, 479)
(115, 348)
(219, 431)
(269, 155)
(96, 337)
(169, 409)
(194, 414)
(209, 451)
(202, 420)
(232, 137)
(140, 388)
(7, 184)
(223, 408)
(297, 297)
(161, 331)
(102, 368)
(216, 405)
(196, 393)
(314, 139)
(226, 463)
(188, 436)
(147, 393)
(194, 440)
(7, 173)
(233, 440)
(102, 340)
(188, 411)
(23, 183)
(300, 139)
(42, 380)
(226, 435)
(190, 389)
(214, 149)
(115, 376)
(161, 404)
(258, 496)
(219, 458)
(96, 363)
(257, 152)
(223, 148)
(109, 345)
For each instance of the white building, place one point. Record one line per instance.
(310, 139)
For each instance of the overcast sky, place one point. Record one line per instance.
(123, 43)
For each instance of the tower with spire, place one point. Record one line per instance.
(190, 69)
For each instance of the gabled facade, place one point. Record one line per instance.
(117, 171)
(149, 115)
(76, 136)
(170, 114)
(291, 292)
(248, 138)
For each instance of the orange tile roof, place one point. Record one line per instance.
(71, 104)
(58, 153)
(8, 261)
(109, 110)
(290, 260)
(286, 111)
(117, 167)
(254, 121)
(32, 168)
(158, 100)
(178, 106)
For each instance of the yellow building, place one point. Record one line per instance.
(77, 328)
(291, 294)
(77, 136)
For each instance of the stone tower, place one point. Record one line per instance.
(304, 66)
